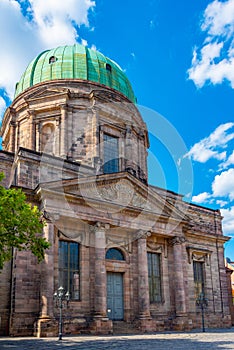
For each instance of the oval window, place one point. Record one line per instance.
(52, 59)
(108, 67)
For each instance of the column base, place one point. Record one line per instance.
(45, 327)
(101, 325)
(146, 325)
(182, 323)
(145, 316)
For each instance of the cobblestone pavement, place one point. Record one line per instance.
(212, 339)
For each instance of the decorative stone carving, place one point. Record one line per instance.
(117, 241)
(76, 236)
(194, 254)
(158, 248)
(176, 240)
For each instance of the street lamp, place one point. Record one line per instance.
(60, 296)
(202, 302)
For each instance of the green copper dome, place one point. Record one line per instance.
(75, 62)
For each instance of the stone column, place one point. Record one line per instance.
(143, 282)
(63, 132)
(47, 274)
(46, 325)
(180, 304)
(100, 270)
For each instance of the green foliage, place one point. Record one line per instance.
(20, 225)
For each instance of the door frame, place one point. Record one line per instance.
(121, 275)
(124, 268)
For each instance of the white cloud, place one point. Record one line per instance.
(213, 145)
(221, 202)
(223, 184)
(2, 108)
(201, 198)
(228, 220)
(25, 33)
(54, 19)
(214, 60)
(219, 18)
(228, 162)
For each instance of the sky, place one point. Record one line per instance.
(179, 57)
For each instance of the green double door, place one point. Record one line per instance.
(115, 305)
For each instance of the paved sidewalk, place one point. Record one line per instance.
(212, 339)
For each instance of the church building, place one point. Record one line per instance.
(129, 255)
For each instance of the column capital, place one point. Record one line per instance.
(176, 240)
(31, 112)
(141, 234)
(51, 217)
(12, 110)
(99, 226)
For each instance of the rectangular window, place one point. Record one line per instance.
(154, 275)
(198, 273)
(111, 154)
(69, 271)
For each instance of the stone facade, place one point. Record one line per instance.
(53, 148)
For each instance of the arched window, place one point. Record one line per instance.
(114, 254)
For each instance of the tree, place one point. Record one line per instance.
(20, 225)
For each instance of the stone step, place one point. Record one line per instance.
(122, 327)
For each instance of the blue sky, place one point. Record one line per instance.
(179, 57)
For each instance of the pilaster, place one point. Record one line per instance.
(63, 132)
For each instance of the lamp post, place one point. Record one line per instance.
(60, 296)
(202, 302)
